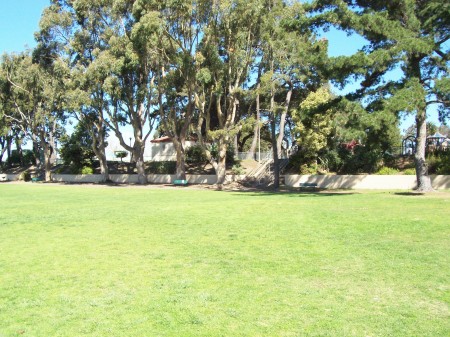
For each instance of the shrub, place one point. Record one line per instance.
(87, 170)
(195, 155)
(25, 176)
(237, 170)
(363, 160)
(309, 169)
(331, 161)
(410, 172)
(387, 171)
(439, 162)
(162, 167)
(27, 157)
(76, 149)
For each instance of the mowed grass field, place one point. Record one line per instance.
(131, 261)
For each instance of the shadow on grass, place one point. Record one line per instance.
(410, 194)
(292, 193)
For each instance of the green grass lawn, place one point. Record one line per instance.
(130, 261)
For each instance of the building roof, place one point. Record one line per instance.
(165, 139)
(437, 135)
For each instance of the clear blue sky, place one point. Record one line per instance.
(19, 19)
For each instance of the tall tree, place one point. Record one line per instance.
(292, 63)
(180, 33)
(36, 92)
(228, 51)
(408, 35)
(78, 32)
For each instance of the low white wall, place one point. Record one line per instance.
(123, 178)
(77, 178)
(133, 178)
(370, 182)
(9, 177)
(161, 178)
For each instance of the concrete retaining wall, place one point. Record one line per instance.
(133, 178)
(9, 177)
(370, 182)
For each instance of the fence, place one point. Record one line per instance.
(254, 156)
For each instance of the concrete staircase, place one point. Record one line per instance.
(262, 175)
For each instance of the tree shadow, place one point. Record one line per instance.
(410, 194)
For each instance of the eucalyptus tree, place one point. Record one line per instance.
(78, 32)
(410, 36)
(180, 31)
(225, 57)
(132, 84)
(36, 94)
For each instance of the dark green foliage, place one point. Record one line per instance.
(331, 161)
(162, 167)
(76, 149)
(27, 156)
(439, 162)
(361, 160)
(196, 155)
(230, 160)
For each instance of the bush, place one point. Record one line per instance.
(439, 162)
(237, 170)
(331, 161)
(363, 160)
(76, 149)
(195, 155)
(162, 167)
(87, 170)
(387, 171)
(25, 176)
(410, 172)
(27, 156)
(309, 169)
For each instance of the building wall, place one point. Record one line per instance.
(165, 151)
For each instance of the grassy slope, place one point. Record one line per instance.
(117, 261)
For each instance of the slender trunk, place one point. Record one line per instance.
(19, 150)
(48, 164)
(423, 180)
(256, 129)
(8, 152)
(283, 121)
(37, 153)
(48, 151)
(276, 166)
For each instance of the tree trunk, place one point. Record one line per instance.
(276, 163)
(19, 150)
(99, 148)
(181, 159)
(221, 164)
(283, 121)
(37, 153)
(140, 168)
(48, 151)
(423, 180)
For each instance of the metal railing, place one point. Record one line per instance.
(254, 156)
